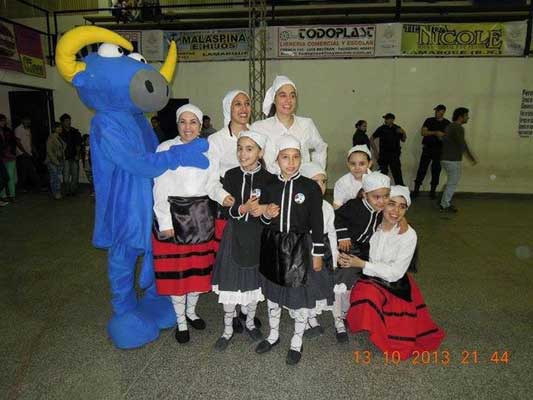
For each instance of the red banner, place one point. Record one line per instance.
(21, 50)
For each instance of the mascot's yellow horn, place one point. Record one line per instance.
(76, 39)
(167, 70)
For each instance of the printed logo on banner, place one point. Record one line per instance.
(336, 41)
(9, 56)
(525, 121)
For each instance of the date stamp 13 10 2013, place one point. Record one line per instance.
(439, 357)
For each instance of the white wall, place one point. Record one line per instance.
(336, 93)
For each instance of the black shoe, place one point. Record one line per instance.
(265, 346)
(257, 321)
(315, 331)
(237, 326)
(415, 193)
(182, 336)
(222, 343)
(342, 337)
(198, 324)
(294, 357)
(255, 334)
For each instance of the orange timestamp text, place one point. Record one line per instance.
(439, 357)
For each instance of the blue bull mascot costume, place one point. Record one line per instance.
(120, 88)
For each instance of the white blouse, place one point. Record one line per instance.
(303, 129)
(182, 182)
(390, 253)
(329, 228)
(223, 157)
(346, 188)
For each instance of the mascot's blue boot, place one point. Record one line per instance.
(120, 88)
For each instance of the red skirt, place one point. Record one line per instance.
(394, 324)
(183, 268)
(220, 224)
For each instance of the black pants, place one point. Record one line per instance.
(391, 160)
(4, 177)
(27, 174)
(429, 156)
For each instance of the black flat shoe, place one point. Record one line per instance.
(255, 334)
(182, 336)
(257, 321)
(293, 357)
(265, 346)
(237, 325)
(342, 337)
(222, 343)
(198, 324)
(313, 332)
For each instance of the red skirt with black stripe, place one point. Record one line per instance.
(394, 324)
(220, 224)
(183, 268)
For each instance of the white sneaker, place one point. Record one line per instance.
(3, 203)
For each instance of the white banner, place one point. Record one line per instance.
(388, 40)
(333, 41)
(153, 48)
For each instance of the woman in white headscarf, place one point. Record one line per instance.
(222, 156)
(279, 106)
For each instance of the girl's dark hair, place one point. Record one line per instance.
(367, 156)
(359, 123)
(272, 111)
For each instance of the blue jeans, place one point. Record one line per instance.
(72, 175)
(453, 170)
(55, 177)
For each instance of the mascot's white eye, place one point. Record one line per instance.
(138, 57)
(110, 50)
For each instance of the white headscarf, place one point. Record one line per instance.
(401, 191)
(258, 138)
(226, 104)
(287, 142)
(271, 92)
(374, 181)
(311, 169)
(362, 148)
(190, 108)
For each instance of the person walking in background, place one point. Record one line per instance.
(8, 157)
(207, 128)
(390, 135)
(360, 137)
(25, 164)
(86, 161)
(432, 132)
(55, 159)
(72, 138)
(453, 147)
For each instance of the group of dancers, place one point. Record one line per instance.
(254, 226)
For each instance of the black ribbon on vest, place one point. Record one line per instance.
(285, 257)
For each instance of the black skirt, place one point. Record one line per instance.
(287, 275)
(193, 219)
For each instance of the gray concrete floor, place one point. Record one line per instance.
(476, 275)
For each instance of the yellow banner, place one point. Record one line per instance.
(33, 66)
(477, 39)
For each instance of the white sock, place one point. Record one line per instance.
(192, 299)
(244, 309)
(274, 316)
(179, 308)
(229, 309)
(300, 319)
(250, 315)
(337, 314)
(345, 303)
(312, 322)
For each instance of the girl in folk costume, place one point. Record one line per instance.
(183, 240)
(291, 258)
(223, 157)
(315, 172)
(386, 301)
(349, 185)
(236, 274)
(355, 222)
(279, 106)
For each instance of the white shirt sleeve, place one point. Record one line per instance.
(401, 249)
(339, 195)
(320, 153)
(214, 188)
(270, 156)
(161, 193)
(329, 227)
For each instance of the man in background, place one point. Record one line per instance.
(432, 132)
(27, 173)
(453, 148)
(207, 128)
(72, 138)
(390, 135)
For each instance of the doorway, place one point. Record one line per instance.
(167, 117)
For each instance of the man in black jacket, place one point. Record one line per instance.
(390, 135)
(72, 138)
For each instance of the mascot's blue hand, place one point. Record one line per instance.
(191, 154)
